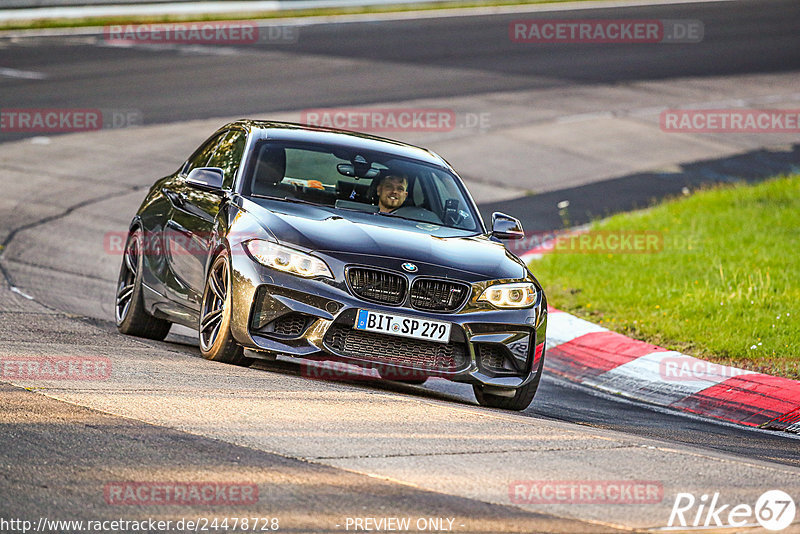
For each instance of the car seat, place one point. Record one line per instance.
(270, 170)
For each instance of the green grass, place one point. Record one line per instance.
(260, 15)
(725, 286)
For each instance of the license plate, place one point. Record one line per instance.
(398, 325)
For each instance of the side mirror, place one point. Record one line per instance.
(506, 227)
(209, 178)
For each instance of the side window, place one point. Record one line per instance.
(228, 155)
(201, 155)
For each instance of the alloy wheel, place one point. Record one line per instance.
(127, 278)
(214, 299)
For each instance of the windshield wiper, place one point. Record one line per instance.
(288, 199)
(390, 214)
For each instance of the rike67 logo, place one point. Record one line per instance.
(774, 510)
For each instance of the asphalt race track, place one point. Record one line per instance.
(356, 64)
(577, 122)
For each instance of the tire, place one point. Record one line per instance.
(129, 311)
(522, 397)
(214, 329)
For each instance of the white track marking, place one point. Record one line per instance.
(21, 74)
(651, 378)
(563, 327)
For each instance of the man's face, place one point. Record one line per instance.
(392, 193)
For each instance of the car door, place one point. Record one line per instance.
(190, 225)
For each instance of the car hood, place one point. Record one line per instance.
(355, 237)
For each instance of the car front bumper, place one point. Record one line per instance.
(313, 319)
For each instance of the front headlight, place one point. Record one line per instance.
(286, 259)
(517, 295)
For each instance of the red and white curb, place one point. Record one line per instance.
(589, 354)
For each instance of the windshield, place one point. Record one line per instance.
(371, 182)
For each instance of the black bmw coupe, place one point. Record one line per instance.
(323, 244)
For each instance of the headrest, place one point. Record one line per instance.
(270, 170)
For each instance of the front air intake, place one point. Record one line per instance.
(438, 295)
(377, 286)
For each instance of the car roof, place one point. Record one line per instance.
(289, 131)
